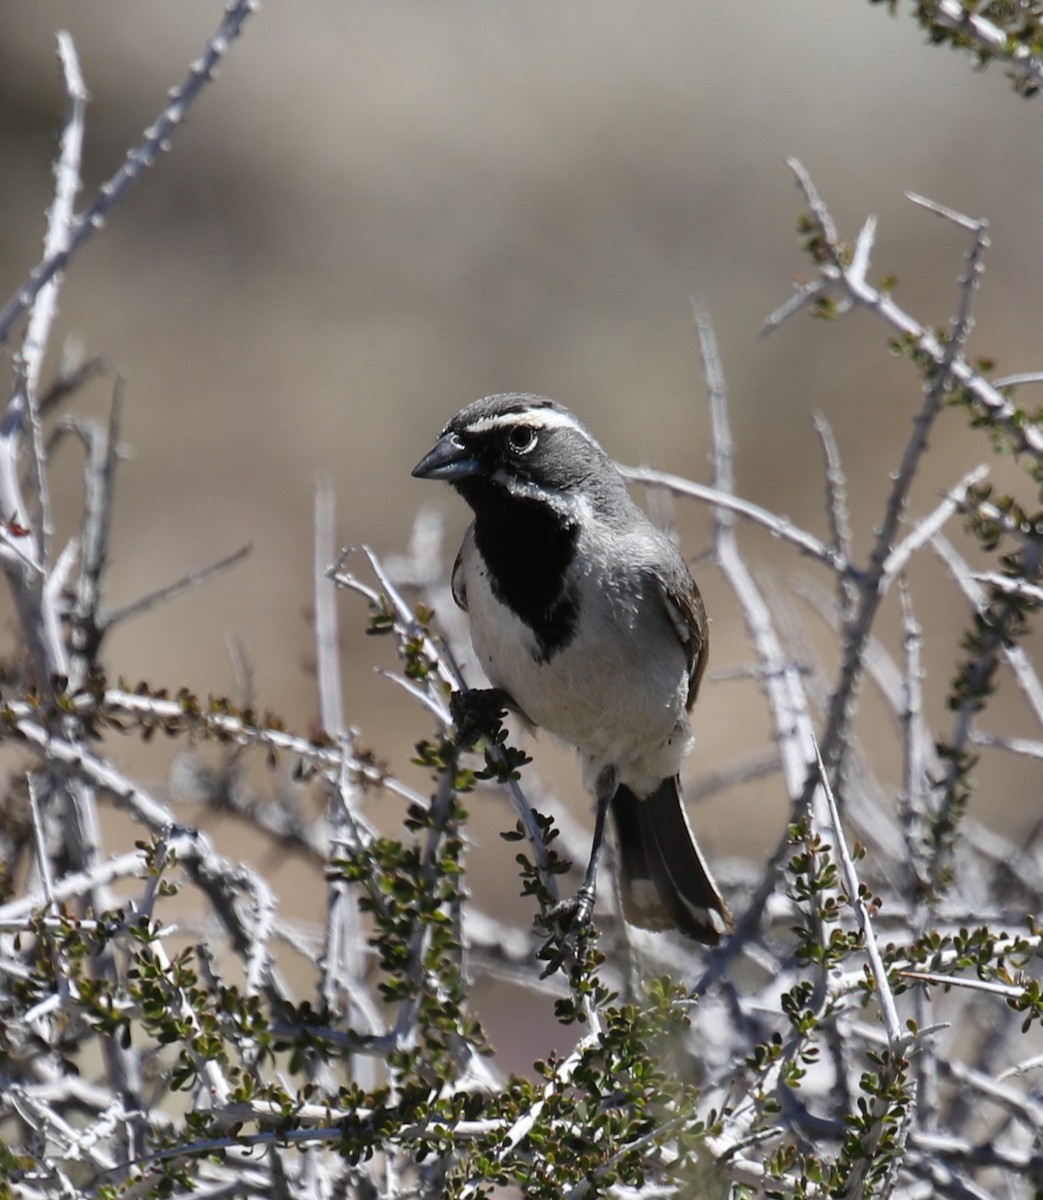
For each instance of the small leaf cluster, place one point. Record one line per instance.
(410, 900)
(411, 639)
(870, 1144)
(413, 890)
(813, 884)
(583, 956)
(166, 1000)
(993, 957)
(532, 884)
(178, 714)
(602, 1117)
(873, 1143)
(869, 1134)
(1020, 20)
(817, 245)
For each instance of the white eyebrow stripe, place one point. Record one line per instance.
(542, 418)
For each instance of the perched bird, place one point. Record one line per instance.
(586, 617)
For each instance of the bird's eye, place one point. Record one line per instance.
(521, 439)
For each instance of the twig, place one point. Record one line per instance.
(1013, 587)
(43, 861)
(928, 526)
(70, 376)
(512, 1137)
(835, 736)
(41, 317)
(219, 724)
(995, 41)
(1019, 662)
(913, 795)
(1010, 381)
(867, 802)
(1024, 436)
(168, 592)
(327, 641)
(342, 962)
(780, 678)
(781, 682)
(138, 160)
(100, 473)
(78, 883)
(779, 527)
(423, 696)
(837, 509)
(1031, 749)
(896, 1037)
(1022, 1068)
(975, 985)
(448, 671)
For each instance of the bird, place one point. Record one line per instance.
(586, 620)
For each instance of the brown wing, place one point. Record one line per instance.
(685, 607)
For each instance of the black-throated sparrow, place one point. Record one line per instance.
(586, 617)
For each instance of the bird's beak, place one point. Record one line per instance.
(450, 459)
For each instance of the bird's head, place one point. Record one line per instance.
(523, 448)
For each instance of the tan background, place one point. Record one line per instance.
(383, 210)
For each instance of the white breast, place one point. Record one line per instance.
(617, 691)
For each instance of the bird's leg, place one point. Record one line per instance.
(580, 908)
(583, 901)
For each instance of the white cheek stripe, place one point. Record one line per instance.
(535, 491)
(574, 506)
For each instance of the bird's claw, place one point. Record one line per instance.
(577, 910)
(574, 916)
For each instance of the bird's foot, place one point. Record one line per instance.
(477, 713)
(573, 919)
(577, 910)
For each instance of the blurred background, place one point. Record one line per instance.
(383, 210)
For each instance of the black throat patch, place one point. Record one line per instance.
(528, 548)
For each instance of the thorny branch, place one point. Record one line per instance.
(157, 139)
(215, 1074)
(1012, 45)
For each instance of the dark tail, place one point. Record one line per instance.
(664, 882)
